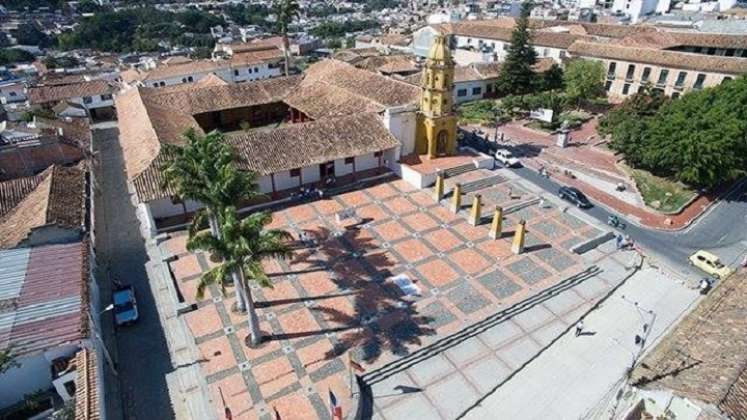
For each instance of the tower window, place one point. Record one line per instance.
(462, 92)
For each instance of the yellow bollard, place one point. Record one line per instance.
(456, 198)
(475, 213)
(518, 246)
(497, 226)
(438, 191)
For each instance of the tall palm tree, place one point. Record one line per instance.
(243, 244)
(205, 170)
(285, 11)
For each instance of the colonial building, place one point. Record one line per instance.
(334, 121)
(634, 55)
(436, 129)
(93, 97)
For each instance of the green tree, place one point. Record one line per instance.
(13, 55)
(584, 80)
(7, 360)
(243, 244)
(28, 34)
(517, 76)
(206, 170)
(285, 11)
(552, 79)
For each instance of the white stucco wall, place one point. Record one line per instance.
(33, 374)
(233, 74)
(401, 122)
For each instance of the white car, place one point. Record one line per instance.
(506, 158)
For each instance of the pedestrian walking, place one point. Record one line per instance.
(579, 327)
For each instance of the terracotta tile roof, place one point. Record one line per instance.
(43, 297)
(334, 88)
(502, 30)
(480, 71)
(167, 71)
(388, 64)
(306, 144)
(705, 357)
(14, 191)
(275, 42)
(57, 199)
(328, 90)
(54, 93)
(394, 39)
(73, 131)
(87, 403)
(35, 155)
(352, 55)
(667, 40)
(673, 59)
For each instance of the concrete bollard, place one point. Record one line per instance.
(438, 190)
(476, 213)
(497, 226)
(456, 199)
(518, 245)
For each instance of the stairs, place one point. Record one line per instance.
(458, 170)
(491, 321)
(482, 183)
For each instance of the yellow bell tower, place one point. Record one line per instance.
(436, 130)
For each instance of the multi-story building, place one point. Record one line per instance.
(634, 55)
(94, 97)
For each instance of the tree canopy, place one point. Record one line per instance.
(12, 56)
(699, 139)
(584, 80)
(141, 29)
(517, 76)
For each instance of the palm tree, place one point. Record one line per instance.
(243, 244)
(285, 11)
(205, 170)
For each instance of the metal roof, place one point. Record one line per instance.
(43, 297)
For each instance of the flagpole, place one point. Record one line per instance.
(350, 371)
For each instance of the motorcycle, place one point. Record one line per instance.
(615, 222)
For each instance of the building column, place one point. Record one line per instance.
(476, 213)
(438, 190)
(497, 226)
(456, 198)
(272, 181)
(518, 245)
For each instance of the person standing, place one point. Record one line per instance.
(579, 327)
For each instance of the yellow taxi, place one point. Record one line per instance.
(711, 264)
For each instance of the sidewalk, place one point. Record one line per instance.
(580, 377)
(598, 163)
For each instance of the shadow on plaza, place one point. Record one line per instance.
(141, 350)
(382, 319)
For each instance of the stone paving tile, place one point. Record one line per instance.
(335, 297)
(531, 319)
(452, 395)
(519, 352)
(420, 222)
(563, 302)
(467, 299)
(486, 373)
(550, 332)
(549, 229)
(467, 351)
(443, 240)
(499, 284)
(438, 273)
(469, 261)
(391, 231)
(413, 250)
(415, 407)
(501, 334)
(185, 266)
(431, 370)
(399, 205)
(176, 245)
(237, 398)
(528, 270)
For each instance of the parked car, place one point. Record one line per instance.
(710, 263)
(506, 158)
(125, 305)
(575, 196)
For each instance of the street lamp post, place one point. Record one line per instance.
(96, 334)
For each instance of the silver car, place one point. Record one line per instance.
(125, 305)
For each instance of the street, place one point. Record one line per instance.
(713, 231)
(140, 351)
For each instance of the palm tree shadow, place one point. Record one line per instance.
(375, 316)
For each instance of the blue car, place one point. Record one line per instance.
(125, 305)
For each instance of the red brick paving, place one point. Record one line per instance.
(283, 311)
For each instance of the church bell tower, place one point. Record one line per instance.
(436, 133)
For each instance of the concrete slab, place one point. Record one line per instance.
(533, 318)
(501, 334)
(416, 407)
(451, 396)
(431, 370)
(486, 373)
(519, 352)
(466, 351)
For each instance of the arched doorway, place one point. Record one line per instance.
(442, 142)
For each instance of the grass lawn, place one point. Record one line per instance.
(478, 112)
(660, 193)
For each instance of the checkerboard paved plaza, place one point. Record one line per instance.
(336, 295)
